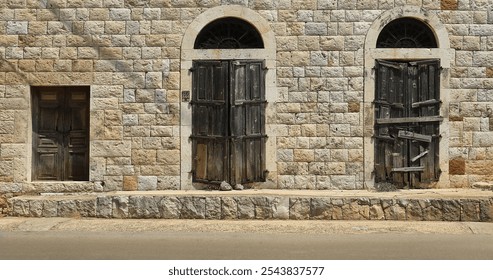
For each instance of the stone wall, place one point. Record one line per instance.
(128, 51)
(279, 206)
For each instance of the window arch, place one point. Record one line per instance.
(229, 33)
(406, 33)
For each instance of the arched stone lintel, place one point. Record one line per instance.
(425, 16)
(241, 12)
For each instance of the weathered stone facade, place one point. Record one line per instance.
(135, 56)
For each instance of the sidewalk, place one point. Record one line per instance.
(16, 224)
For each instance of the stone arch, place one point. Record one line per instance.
(236, 11)
(417, 13)
(372, 53)
(189, 54)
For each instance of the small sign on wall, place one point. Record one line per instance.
(185, 96)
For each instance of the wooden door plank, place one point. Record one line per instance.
(422, 154)
(410, 120)
(414, 136)
(425, 103)
(409, 169)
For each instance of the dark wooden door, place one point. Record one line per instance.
(61, 133)
(228, 121)
(407, 103)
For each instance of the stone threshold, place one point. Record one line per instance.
(413, 205)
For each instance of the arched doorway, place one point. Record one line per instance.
(406, 100)
(228, 73)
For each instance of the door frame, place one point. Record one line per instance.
(189, 54)
(442, 53)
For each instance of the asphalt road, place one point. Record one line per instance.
(197, 245)
(215, 240)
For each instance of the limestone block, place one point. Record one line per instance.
(285, 181)
(169, 207)
(168, 182)
(316, 28)
(262, 207)
(319, 58)
(50, 209)
(280, 208)
(140, 207)
(193, 207)
(67, 208)
(143, 156)
(451, 210)
(17, 27)
(304, 181)
(483, 58)
(376, 210)
(287, 43)
(146, 183)
(355, 209)
(432, 210)
(339, 168)
(303, 155)
(213, 208)
(299, 208)
(304, 4)
(337, 204)
(120, 207)
(414, 211)
(104, 207)
(479, 167)
(111, 148)
(481, 30)
(457, 166)
(470, 210)
(9, 151)
(299, 58)
(486, 210)
(471, 43)
(229, 208)
(316, 168)
(110, 53)
(35, 208)
(168, 157)
(20, 208)
(119, 14)
(321, 209)
(87, 53)
(343, 182)
(86, 207)
(246, 208)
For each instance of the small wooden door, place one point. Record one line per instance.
(407, 106)
(60, 133)
(228, 121)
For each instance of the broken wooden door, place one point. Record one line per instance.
(60, 133)
(228, 121)
(407, 106)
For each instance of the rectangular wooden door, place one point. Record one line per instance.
(228, 121)
(60, 133)
(407, 104)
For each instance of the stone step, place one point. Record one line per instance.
(413, 205)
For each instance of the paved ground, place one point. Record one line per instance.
(64, 238)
